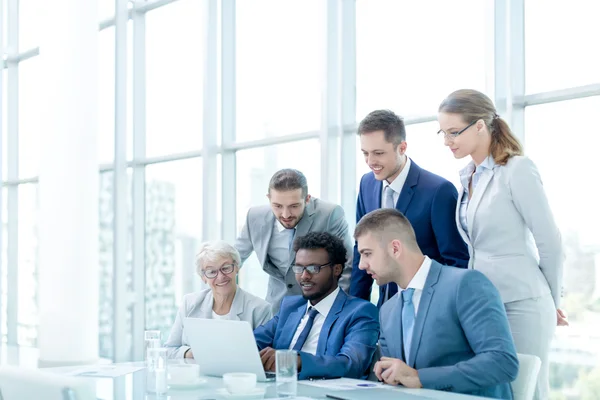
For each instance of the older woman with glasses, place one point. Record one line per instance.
(217, 263)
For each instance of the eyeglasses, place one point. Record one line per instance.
(455, 134)
(311, 269)
(212, 273)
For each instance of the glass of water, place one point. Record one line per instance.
(286, 371)
(151, 341)
(156, 373)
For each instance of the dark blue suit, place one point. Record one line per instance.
(347, 341)
(429, 203)
(461, 339)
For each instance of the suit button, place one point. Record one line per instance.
(290, 286)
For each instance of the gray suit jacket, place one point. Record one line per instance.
(245, 307)
(509, 222)
(319, 216)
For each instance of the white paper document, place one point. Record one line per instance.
(344, 384)
(105, 371)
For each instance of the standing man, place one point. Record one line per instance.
(270, 230)
(395, 181)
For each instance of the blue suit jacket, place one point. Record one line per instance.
(347, 341)
(461, 338)
(429, 203)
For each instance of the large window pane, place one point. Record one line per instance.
(279, 67)
(174, 74)
(30, 20)
(4, 118)
(553, 58)
(106, 265)
(409, 58)
(173, 234)
(106, 94)
(569, 181)
(106, 9)
(28, 315)
(254, 170)
(31, 84)
(426, 149)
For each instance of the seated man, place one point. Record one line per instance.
(335, 334)
(447, 328)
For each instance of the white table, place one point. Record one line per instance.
(133, 387)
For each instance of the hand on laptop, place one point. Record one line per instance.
(394, 371)
(188, 354)
(267, 357)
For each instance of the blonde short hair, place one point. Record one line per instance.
(213, 250)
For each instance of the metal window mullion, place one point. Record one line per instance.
(330, 105)
(120, 234)
(139, 182)
(516, 59)
(2, 133)
(12, 173)
(348, 109)
(228, 118)
(209, 123)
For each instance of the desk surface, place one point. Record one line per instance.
(132, 386)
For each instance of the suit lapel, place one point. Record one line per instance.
(206, 306)
(266, 231)
(377, 192)
(333, 315)
(484, 180)
(407, 191)
(237, 306)
(291, 325)
(457, 216)
(428, 291)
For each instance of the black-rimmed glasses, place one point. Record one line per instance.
(212, 273)
(455, 134)
(311, 269)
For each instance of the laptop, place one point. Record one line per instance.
(380, 394)
(222, 346)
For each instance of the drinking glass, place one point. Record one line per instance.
(151, 341)
(156, 372)
(286, 372)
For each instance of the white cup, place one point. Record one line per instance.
(239, 382)
(183, 373)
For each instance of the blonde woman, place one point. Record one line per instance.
(218, 264)
(504, 217)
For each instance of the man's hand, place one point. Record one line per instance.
(267, 357)
(561, 318)
(188, 354)
(394, 371)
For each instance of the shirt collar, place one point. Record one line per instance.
(280, 228)
(398, 183)
(324, 306)
(466, 172)
(418, 281)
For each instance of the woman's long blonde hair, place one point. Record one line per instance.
(473, 106)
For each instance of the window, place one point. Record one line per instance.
(28, 313)
(30, 21)
(106, 267)
(4, 269)
(4, 111)
(31, 84)
(561, 58)
(174, 75)
(279, 67)
(254, 170)
(410, 58)
(173, 234)
(106, 9)
(567, 173)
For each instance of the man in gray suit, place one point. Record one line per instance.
(270, 230)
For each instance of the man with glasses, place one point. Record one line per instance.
(269, 231)
(335, 334)
(397, 182)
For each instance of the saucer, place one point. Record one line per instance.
(186, 385)
(256, 392)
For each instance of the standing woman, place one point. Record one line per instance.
(504, 217)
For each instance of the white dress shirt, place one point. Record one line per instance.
(279, 247)
(323, 307)
(397, 184)
(217, 316)
(418, 283)
(471, 174)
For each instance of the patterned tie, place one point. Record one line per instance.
(408, 320)
(312, 313)
(388, 200)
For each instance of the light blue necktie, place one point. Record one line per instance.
(292, 234)
(408, 320)
(312, 313)
(388, 200)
